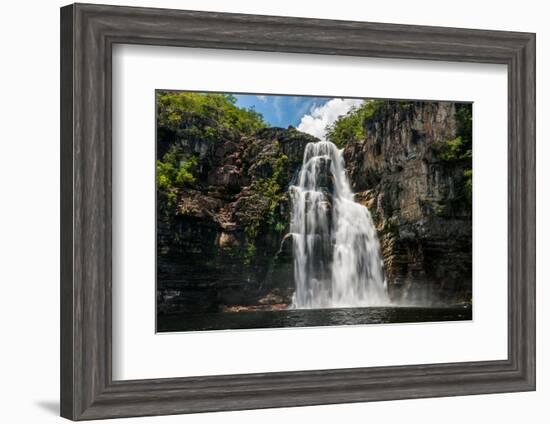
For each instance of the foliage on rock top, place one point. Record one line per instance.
(205, 115)
(188, 117)
(350, 127)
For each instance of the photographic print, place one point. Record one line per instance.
(295, 211)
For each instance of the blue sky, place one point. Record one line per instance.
(280, 111)
(311, 115)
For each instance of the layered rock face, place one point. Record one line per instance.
(418, 195)
(227, 243)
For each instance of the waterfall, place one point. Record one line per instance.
(337, 260)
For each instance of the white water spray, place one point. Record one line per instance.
(337, 259)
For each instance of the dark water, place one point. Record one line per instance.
(310, 318)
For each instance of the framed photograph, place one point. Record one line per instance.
(264, 212)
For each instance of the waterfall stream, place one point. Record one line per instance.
(337, 260)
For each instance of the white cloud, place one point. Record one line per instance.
(319, 117)
(262, 98)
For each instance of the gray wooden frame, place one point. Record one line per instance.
(88, 33)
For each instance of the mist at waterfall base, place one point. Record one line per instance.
(338, 267)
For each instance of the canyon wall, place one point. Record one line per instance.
(413, 171)
(226, 242)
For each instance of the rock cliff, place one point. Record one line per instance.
(225, 244)
(413, 171)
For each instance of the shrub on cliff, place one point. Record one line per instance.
(350, 127)
(171, 175)
(459, 150)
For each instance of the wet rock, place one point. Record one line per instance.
(272, 298)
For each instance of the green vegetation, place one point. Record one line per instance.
(205, 116)
(184, 118)
(262, 205)
(270, 189)
(170, 174)
(350, 127)
(175, 171)
(459, 150)
(453, 150)
(464, 123)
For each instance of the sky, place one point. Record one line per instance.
(309, 114)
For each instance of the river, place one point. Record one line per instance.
(311, 317)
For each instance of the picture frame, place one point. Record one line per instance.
(88, 33)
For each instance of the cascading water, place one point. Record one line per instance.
(337, 259)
